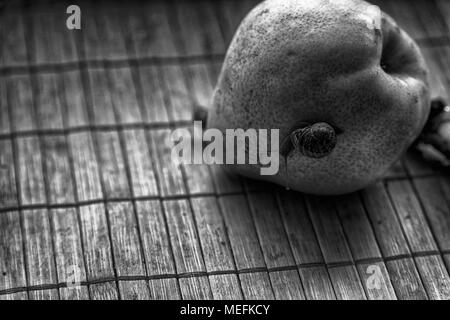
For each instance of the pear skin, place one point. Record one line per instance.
(341, 63)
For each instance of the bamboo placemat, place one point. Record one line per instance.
(87, 187)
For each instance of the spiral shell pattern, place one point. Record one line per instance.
(315, 141)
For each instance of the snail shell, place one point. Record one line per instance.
(315, 141)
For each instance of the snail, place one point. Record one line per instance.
(315, 140)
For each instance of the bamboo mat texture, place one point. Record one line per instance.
(88, 193)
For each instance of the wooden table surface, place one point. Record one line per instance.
(88, 192)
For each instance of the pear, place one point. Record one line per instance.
(346, 87)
